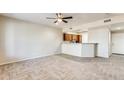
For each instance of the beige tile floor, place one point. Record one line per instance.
(64, 67)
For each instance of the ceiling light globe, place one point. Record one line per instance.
(59, 20)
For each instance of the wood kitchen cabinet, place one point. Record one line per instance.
(80, 38)
(75, 37)
(67, 37)
(72, 38)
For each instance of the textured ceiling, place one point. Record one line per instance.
(78, 18)
(118, 26)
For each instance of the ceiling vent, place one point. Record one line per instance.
(107, 20)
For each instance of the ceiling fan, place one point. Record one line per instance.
(60, 18)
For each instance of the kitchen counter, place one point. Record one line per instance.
(79, 49)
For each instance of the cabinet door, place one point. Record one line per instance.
(70, 37)
(75, 37)
(80, 38)
(64, 37)
(67, 37)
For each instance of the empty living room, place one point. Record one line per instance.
(61, 46)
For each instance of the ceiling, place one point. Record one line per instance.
(117, 27)
(78, 18)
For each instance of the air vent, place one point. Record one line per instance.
(107, 20)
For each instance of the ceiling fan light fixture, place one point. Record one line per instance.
(59, 20)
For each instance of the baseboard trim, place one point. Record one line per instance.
(25, 59)
(117, 54)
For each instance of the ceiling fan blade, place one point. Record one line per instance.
(50, 18)
(57, 14)
(70, 17)
(65, 21)
(55, 21)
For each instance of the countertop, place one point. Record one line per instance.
(77, 43)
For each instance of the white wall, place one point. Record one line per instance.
(101, 36)
(118, 42)
(20, 40)
(84, 37)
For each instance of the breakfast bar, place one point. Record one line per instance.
(79, 49)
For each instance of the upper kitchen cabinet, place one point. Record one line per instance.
(72, 38)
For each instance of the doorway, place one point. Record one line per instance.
(117, 35)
